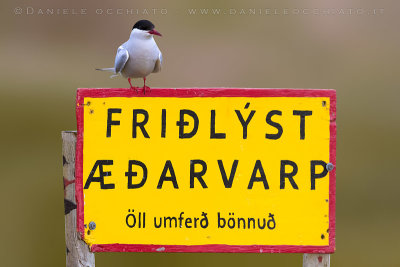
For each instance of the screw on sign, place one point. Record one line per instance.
(329, 167)
(92, 225)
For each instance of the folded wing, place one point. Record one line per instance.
(120, 59)
(157, 66)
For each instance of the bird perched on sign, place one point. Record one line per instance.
(139, 56)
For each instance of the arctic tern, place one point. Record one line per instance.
(139, 56)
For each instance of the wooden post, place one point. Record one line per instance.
(316, 260)
(78, 253)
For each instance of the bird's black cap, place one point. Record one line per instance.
(143, 25)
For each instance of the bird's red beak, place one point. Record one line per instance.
(155, 32)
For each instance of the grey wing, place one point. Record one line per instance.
(157, 67)
(120, 59)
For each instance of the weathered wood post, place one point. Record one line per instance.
(77, 251)
(316, 260)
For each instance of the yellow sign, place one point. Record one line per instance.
(221, 172)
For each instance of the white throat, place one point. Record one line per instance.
(139, 34)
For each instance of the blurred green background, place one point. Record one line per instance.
(44, 58)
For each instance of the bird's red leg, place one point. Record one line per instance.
(144, 86)
(129, 80)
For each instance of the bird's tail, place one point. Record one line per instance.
(110, 70)
(107, 69)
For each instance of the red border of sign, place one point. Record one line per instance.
(207, 92)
